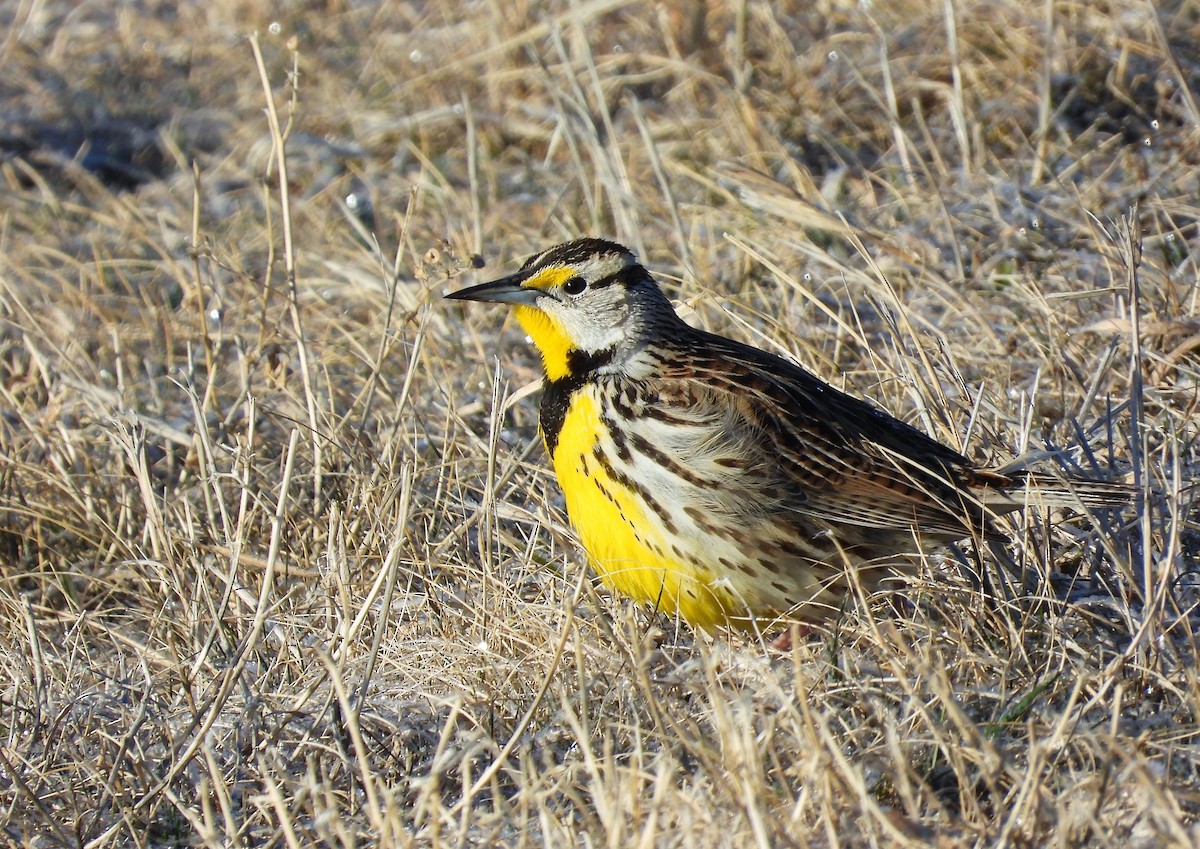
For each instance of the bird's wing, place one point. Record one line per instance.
(826, 455)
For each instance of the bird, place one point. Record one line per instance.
(722, 484)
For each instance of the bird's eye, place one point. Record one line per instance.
(575, 285)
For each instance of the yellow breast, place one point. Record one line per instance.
(626, 542)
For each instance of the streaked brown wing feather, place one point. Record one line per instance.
(842, 461)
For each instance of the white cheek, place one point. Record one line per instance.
(590, 337)
(583, 329)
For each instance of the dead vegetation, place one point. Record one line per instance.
(281, 562)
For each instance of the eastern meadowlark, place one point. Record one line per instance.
(722, 483)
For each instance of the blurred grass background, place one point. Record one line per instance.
(281, 562)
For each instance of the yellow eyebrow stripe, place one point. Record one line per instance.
(549, 278)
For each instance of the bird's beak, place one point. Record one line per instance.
(506, 290)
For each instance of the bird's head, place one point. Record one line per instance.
(586, 303)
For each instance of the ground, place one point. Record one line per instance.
(281, 560)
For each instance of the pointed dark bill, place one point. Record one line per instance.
(506, 290)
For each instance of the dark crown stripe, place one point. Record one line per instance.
(573, 252)
(609, 280)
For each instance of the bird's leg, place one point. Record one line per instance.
(795, 632)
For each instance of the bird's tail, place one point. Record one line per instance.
(1046, 490)
(1041, 490)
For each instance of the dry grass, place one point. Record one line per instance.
(282, 563)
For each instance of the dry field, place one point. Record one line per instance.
(281, 561)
